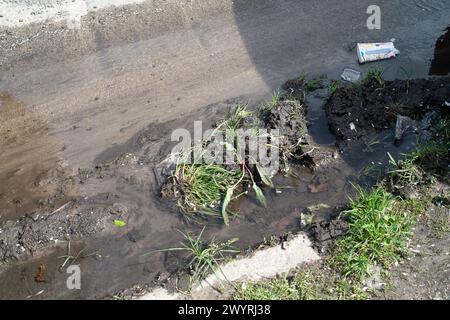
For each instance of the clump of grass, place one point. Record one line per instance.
(203, 188)
(268, 105)
(313, 85)
(397, 108)
(236, 117)
(374, 75)
(273, 289)
(308, 284)
(405, 172)
(332, 87)
(203, 258)
(438, 148)
(310, 85)
(379, 229)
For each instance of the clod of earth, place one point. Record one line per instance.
(40, 274)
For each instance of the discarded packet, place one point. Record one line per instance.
(368, 52)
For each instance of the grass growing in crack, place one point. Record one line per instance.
(203, 258)
(379, 229)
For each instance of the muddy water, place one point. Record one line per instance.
(39, 278)
(31, 174)
(124, 183)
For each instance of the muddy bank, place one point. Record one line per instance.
(356, 111)
(123, 185)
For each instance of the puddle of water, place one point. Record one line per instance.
(317, 119)
(19, 281)
(440, 65)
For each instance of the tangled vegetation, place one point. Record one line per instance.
(205, 190)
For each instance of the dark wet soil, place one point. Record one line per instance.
(356, 111)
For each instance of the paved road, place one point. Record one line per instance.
(129, 66)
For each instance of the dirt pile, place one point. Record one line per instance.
(354, 111)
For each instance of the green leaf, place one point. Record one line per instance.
(267, 181)
(119, 223)
(226, 201)
(260, 195)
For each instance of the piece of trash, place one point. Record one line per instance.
(368, 52)
(119, 223)
(306, 219)
(350, 75)
(40, 274)
(352, 126)
(39, 293)
(318, 207)
(447, 104)
(402, 126)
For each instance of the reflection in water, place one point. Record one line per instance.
(440, 65)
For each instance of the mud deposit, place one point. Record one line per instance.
(357, 111)
(37, 181)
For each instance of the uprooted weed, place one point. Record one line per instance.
(206, 189)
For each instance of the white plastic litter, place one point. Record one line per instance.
(351, 75)
(368, 52)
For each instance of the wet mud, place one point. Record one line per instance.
(31, 173)
(123, 186)
(356, 111)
